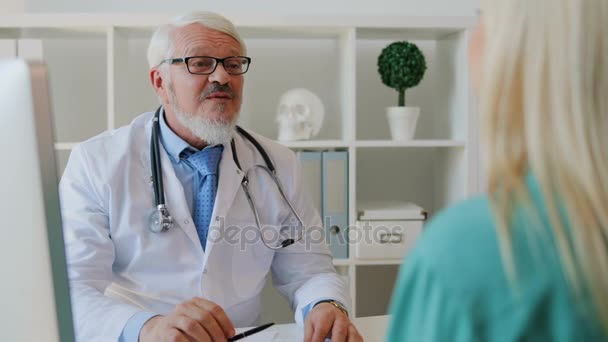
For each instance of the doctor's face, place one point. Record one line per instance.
(215, 97)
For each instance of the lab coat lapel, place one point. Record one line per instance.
(174, 191)
(229, 183)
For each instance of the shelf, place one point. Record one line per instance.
(253, 32)
(377, 262)
(77, 68)
(315, 144)
(411, 143)
(318, 70)
(311, 22)
(409, 33)
(65, 146)
(358, 262)
(431, 178)
(342, 262)
(442, 95)
(308, 144)
(322, 144)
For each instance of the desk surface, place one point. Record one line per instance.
(373, 329)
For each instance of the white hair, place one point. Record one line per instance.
(161, 44)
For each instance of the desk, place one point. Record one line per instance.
(373, 329)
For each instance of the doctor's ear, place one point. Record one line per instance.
(158, 84)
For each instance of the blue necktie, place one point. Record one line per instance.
(206, 163)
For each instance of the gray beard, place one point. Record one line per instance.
(213, 132)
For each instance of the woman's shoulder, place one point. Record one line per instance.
(460, 245)
(458, 259)
(464, 223)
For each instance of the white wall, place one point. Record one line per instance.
(11, 6)
(354, 7)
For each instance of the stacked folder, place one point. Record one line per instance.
(326, 178)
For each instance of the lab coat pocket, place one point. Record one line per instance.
(248, 240)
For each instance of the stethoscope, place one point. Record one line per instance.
(161, 220)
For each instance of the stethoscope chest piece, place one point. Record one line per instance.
(160, 220)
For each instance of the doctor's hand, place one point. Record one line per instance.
(194, 320)
(327, 321)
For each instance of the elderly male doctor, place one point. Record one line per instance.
(191, 282)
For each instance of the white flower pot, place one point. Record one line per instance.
(402, 122)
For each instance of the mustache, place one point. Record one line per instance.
(216, 87)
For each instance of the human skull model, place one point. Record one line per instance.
(300, 115)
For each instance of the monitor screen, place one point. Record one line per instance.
(34, 286)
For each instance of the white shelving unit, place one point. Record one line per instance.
(412, 143)
(99, 81)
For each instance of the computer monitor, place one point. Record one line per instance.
(34, 286)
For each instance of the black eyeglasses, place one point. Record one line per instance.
(205, 65)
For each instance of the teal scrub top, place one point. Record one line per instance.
(453, 286)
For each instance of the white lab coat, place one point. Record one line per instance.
(117, 267)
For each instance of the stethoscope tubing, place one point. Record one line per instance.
(272, 174)
(164, 219)
(159, 195)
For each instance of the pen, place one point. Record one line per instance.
(250, 332)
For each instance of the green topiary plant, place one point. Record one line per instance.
(401, 66)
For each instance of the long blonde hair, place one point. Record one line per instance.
(544, 109)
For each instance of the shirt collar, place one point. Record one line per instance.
(176, 146)
(173, 144)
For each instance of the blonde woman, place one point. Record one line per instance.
(529, 260)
